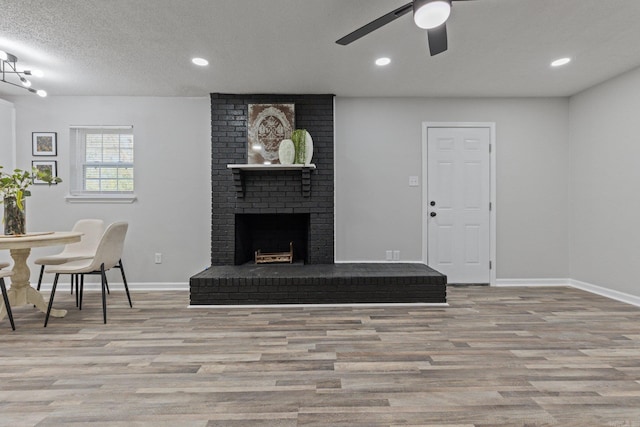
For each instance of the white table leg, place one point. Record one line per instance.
(21, 292)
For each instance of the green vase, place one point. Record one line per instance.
(299, 137)
(15, 219)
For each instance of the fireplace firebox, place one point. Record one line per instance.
(271, 233)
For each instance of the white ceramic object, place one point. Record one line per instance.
(308, 149)
(286, 152)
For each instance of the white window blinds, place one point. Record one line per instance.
(102, 160)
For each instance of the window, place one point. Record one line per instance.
(102, 166)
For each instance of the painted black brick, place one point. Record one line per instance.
(320, 283)
(284, 192)
(269, 192)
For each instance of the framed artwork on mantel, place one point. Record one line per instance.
(44, 143)
(268, 124)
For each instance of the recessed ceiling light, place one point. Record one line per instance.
(560, 62)
(200, 61)
(383, 61)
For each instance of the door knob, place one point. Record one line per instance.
(432, 203)
(433, 214)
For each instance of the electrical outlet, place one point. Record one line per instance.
(158, 258)
(413, 181)
(389, 255)
(396, 255)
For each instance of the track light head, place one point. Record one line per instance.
(8, 69)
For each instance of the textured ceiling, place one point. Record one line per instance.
(144, 47)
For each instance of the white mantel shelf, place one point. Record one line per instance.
(238, 175)
(258, 166)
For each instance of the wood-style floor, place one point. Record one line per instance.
(495, 357)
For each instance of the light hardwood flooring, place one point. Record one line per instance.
(494, 357)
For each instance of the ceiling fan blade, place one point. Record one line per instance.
(437, 39)
(374, 25)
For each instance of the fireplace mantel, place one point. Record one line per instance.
(261, 167)
(239, 169)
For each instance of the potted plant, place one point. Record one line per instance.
(13, 190)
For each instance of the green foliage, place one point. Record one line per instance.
(17, 184)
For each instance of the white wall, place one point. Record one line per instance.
(7, 117)
(7, 129)
(172, 177)
(605, 184)
(378, 146)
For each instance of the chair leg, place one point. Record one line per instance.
(72, 280)
(6, 303)
(104, 297)
(81, 290)
(40, 277)
(53, 292)
(124, 280)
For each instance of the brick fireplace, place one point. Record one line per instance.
(265, 208)
(270, 192)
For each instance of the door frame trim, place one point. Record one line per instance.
(492, 190)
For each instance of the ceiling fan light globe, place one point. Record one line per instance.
(431, 13)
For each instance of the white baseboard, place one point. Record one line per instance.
(532, 282)
(133, 286)
(606, 292)
(379, 262)
(346, 304)
(588, 287)
(184, 286)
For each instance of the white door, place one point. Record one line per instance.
(458, 203)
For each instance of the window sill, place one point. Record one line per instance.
(101, 198)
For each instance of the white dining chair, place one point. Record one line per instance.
(5, 297)
(91, 230)
(107, 256)
(4, 265)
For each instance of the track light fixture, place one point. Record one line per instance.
(8, 69)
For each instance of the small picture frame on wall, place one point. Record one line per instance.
(44, 143)
(48, 166)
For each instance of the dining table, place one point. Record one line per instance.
(21, 292)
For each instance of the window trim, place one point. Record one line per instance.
(101, 198)
(80, 196)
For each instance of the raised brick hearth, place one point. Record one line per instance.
(247, 205)
(318, 284)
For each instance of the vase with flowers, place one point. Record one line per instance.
(14, 190)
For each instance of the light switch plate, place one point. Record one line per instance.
(413, 181)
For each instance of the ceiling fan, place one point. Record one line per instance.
(428, 14)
